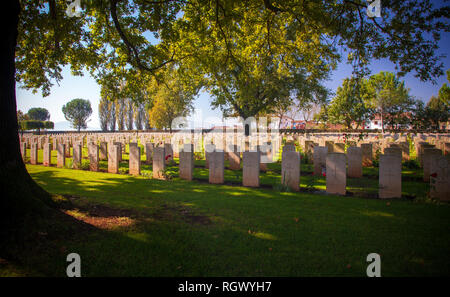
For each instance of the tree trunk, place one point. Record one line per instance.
(382, 122)
(22, 199)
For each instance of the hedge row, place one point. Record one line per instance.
(34, 125)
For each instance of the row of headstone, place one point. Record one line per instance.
(333, 163)
(331, 140)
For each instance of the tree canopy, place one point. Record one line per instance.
(348, 105)
(77, 111)
(38, 114)
(248, 54)
(169, 101)
(386, 92)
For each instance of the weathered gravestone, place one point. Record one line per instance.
(60, 155)
(23, 150)
(366, 151)
(47, 155)
(169, 152)
(34, 154)
(114, 154)
(67, 148)
(404, 145)
(336, 173)
(309, 149)
(264, 152)
(134, 159)
(250, 169)
(447, 149)
(216, 167)
(320, 159)
(103, 152)
(420, 149)
(440, 178)
(76, 156)
(209, 148)
(187, 162)
(289, 148)
(330, 145)
(159, 163)
(393, 151)
(93, 153)
(428, 155)
(390, 176)
(149, 152)
(290, 170)
(354, 159)
(234, 157)
(119, 150)
(339, 148)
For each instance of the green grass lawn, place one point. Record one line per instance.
(136, 226)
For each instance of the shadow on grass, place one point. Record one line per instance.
(181, 228)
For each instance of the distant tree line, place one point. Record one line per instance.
(358, 100)
(129, 102)
(122, 114)
(36, 118)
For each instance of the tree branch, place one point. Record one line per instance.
(132, 50)
(270, 7)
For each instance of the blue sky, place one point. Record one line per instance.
(85, 87)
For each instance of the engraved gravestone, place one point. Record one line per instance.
(149, 152)
(23, 150)
(354, 159)
(366, 151)
(216, 167)
(428, 155)
(76, 156)
(390, 176)
(60, 155)
(47, 154)
(103, 152)
(114, 153)
(159, 164)
(339, 148)
(336, 173)
(119, 150)
(234, 157)
(330, 145)
(209, 148)
(169, 152)
(290, 170)
(440, 178)
(93, 153)
(319, 156)
(34, 154)
(250, 169)
(187, 162)
(134, 159)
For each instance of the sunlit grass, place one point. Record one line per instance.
(183, 228)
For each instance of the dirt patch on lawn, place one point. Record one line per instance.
(105, 217)
(98, 215)
(168, 212)
(100, 221)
